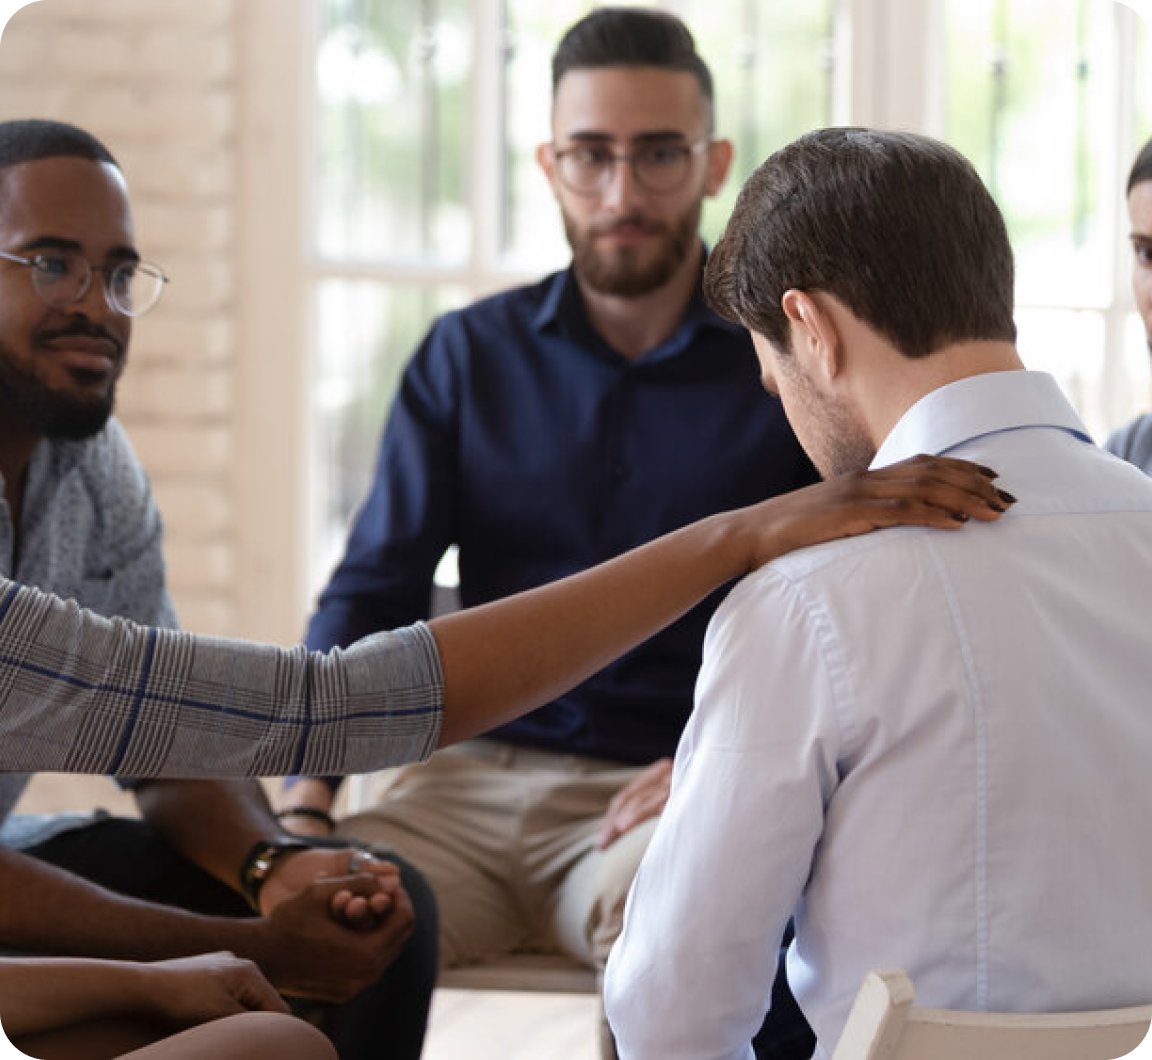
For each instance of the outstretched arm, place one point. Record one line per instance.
(84, 694)
(507, 657)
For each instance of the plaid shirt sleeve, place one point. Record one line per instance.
(83, 694)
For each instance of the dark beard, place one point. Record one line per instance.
(617, 274)
(846, 455)
(836, 441)
(49, 412)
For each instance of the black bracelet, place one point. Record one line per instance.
(307, 811)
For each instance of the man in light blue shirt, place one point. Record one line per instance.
(949, 775)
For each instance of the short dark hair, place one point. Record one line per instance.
(629, 36)
(1141, 168)
(31, 139)
(896, 226)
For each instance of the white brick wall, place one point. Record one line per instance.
(138, 16)
(156, 80)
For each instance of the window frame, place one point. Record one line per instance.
(887, 55)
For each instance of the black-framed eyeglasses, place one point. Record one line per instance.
(62, 277)
(660, 167)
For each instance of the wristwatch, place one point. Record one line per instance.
(257, 865)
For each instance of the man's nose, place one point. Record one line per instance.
(93, 303)
(620, 189)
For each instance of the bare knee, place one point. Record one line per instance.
(246, 1036)
(272, 1036)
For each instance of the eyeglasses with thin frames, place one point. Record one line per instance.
(659, 167)
(62, 278)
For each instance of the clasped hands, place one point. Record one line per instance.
(362, 891)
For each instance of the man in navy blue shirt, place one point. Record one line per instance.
(542, 431)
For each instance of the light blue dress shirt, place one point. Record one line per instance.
(931, 748)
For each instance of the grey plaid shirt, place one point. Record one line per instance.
(81, 693)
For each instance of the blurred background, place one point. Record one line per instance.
(321, 177)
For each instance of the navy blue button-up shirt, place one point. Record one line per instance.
(521, 436)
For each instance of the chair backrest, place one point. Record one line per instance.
(884, 1025)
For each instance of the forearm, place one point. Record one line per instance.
(557, 635)
(510, 656)
(44, 994)
(46, 910)
(305, 806)
(213, 823)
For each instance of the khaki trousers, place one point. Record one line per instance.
(504, 834)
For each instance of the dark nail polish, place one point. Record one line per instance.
(987, 472)
(960, 517)
(1006, 496)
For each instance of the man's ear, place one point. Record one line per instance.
(720, 154)
(815, 337)
(546, 160)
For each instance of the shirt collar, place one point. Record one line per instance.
(549, 314)
(979, 405)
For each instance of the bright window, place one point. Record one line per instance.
(425, 192)
(1035, 97)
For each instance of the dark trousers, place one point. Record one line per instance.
(385, 1021)
(785, 1034)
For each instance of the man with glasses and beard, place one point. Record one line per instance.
(543, 430)
(208, 868)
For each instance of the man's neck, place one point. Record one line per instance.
(634, 325)
(900, 382)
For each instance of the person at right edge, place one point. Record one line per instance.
(1133, 441)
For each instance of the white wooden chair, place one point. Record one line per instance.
(884, 1025)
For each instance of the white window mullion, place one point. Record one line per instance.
(887, 60)
(1121, 72)
(270, 375)
(487, 136)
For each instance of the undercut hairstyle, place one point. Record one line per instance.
(630, 36)
(31, 139)
(897, 227)
(1141, 168)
